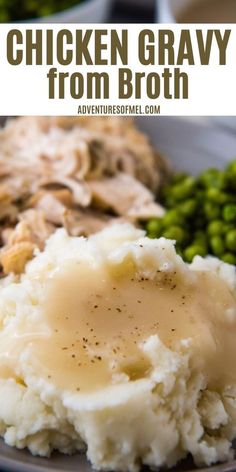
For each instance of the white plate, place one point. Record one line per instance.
(192, 147)
(191, 144)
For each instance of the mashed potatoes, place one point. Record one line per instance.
(114, 344)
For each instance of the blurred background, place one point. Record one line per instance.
(133, 11)
(77, 11)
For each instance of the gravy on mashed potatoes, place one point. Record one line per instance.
(114, 343)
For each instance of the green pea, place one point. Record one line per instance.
(183, 190)
(227, 198)
(45, 10)
(231, 174)
(176, 233)
(200, 235)
(213, 178)
(211, 211)
(195, 249)
(229, 213)
(215, 195)
(215, 228)
(217, 245)
(32, 4)
(4, 16)
(172, 217)
(169, 202)
(232, 185)
(230, 240)
(201, 214)
(154, 227)
(188, 207)
(200, 239)
(227, 227)
(229, 258)
(232, 166)
(179, 177)
(200, 196)
(152, 235)
(165, 192)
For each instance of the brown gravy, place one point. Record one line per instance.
(209, 11)
(97, 320)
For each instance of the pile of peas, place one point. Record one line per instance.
(14, 10)
(201, 214)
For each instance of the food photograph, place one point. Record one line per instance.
(117, 294)
(117, 276)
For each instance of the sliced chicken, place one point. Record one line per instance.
(78, 172)
(125, 196)
(14, 258)
(85, 222)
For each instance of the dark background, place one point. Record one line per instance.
(142, 11)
